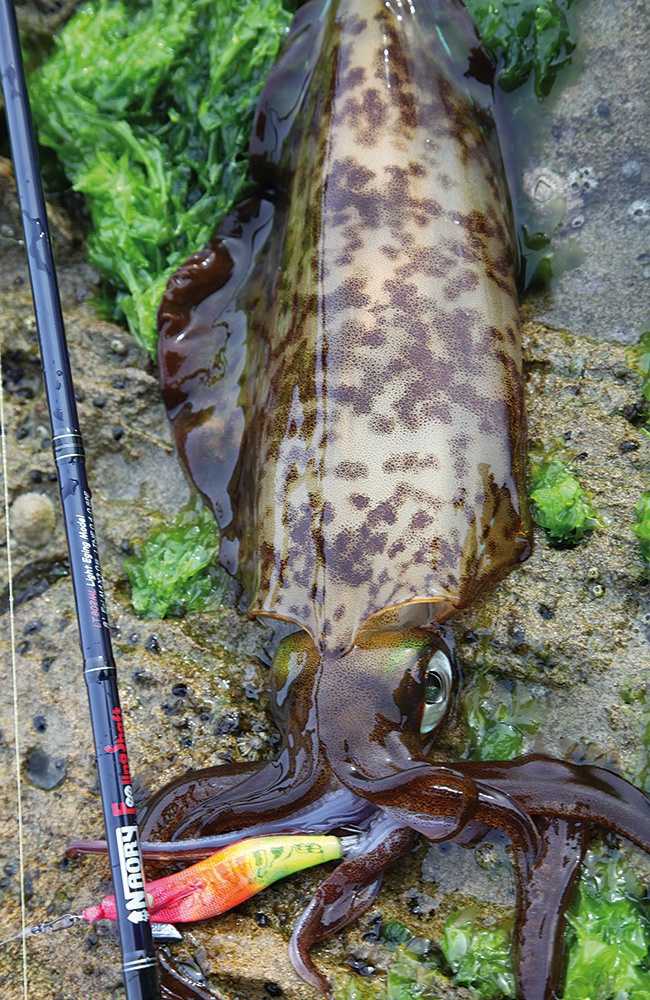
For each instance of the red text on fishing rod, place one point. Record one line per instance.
(119, 747)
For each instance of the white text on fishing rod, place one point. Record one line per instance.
(89, 571)
(132, 874)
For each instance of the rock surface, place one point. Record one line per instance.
(572, 624)
(593, 137)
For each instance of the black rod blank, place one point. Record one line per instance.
(138, 956)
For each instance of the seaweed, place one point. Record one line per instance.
(499, 718)
(638, 359)
(559, 504)
(173, 572)
(526, 37)
(609, 932)
(479, 953)
(149, 106)
(641, 527)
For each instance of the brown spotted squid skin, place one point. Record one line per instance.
(342, 368)
(382, 462)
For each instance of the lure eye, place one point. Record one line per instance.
(438, 684)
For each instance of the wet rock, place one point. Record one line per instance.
(32, 518)
(44, 771)
(631, 170)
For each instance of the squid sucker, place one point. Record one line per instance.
(342, 368)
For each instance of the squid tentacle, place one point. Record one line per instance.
(276, 788)
(440, 801)
(346, 894)
(548, 787)
(273, 791)
(335, 809)
(540, 932)
(171, 803)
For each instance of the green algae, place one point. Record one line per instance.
(148, 107)
(173, 572)
(638, 359)
(409, 977)
(499, 718)
(478, 953)
(559, 504)
(642, 777)
(609, 934)
(526, 37)
(471, 952)
(639, 698)
(641, 527)
(541, 263)
(519, 652)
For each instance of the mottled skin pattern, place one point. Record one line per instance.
(383, 453)
(385, 442)
(342, 368)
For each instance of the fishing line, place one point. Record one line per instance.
(139, 965)
(14, 684)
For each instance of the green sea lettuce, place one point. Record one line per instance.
(174, 571)
(148, 106)
(609, 933)
(526, 36)
(559, 503)
(500, 718)
(479, 953)
(641, 527)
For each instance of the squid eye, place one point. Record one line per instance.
(438, 683)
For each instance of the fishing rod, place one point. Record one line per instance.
(138, 956)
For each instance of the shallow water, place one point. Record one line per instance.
(593, 151)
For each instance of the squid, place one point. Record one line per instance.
(342, 369)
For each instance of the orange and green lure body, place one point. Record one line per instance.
(226, 878)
